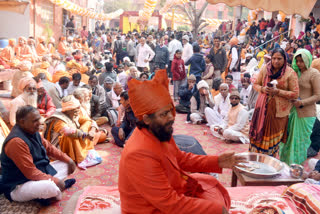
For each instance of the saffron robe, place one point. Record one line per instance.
(153, 178)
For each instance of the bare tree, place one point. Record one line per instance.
(195, 16)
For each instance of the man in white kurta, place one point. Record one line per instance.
(217, 114)
(236, 125)
(144, 54)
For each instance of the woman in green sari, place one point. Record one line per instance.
(303, 113)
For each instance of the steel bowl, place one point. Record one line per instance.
(260, 165)
(296, 170)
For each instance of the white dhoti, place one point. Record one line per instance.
(43, 189)
(213, 117)
(230, 134)
(195, 117)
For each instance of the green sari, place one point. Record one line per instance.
(298, 141)
(299, 129)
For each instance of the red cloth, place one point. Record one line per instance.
(147, 97)
(178, 69)
(231, 87)
(153, 178)
(18, 151)
(46, 108)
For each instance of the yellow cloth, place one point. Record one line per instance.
(57, 75)
(37, 71)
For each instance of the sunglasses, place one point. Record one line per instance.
(31, 89)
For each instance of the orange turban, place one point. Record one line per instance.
(22, 38)
(234, 41)
(41, 39)
(45, 65)
(69, 103)
(12, 42)
(316, 64)
(25, 82)
(147, 97)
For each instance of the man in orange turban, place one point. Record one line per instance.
(7, 54)
(23, 51)
(153, 172)
(41, 47)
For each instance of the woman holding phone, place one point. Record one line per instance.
(277, 85)
(303, 113)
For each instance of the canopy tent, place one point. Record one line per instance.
(17, 6)
(301, 7)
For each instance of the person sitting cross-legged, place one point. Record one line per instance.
(236, 125)
(45, 105)
(27, 173)
(122, 133)
(72, 132)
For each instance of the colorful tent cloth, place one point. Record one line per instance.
(17, 6)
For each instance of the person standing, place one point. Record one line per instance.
(270, 118)
(234, 60)
(131, 50)
(197, 63)
(84, 33)
(144, 54)
(161, 58)
(173, 46)
(178, 74)
(219, 57)
(303, 112)
(187, 51)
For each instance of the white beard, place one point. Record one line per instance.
(30, 99)
(87, 107)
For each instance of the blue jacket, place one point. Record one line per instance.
(185, 94)
(197, 64)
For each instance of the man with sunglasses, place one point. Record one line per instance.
(29, 96)
(236, 125)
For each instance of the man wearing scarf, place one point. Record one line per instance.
(59, 91)
(74, 134)
(45, 105)
(7, 54)
(153, 174)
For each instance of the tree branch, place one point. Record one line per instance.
(202, 27)
(204, 6)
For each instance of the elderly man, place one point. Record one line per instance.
(60, 91)
(153, 172)
(27, 173)
(128, 124)
(187, 51)
(221, 108)
(97, 90)
(28, 97)
(235, 127)
(114, 94)
(45, 105)
(23, 72)
(185, 93)
(73, 133)
(7, 54)
(200, 100)
(144, 54)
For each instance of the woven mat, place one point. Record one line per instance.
(7, 207)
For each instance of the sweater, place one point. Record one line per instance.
(178, 69)
(197, 64)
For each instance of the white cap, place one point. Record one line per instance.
(186, 37)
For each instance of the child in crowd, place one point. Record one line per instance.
(178, 73)
(229, 80)
(208, 75)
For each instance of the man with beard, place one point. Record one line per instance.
(235, 127)
(153, 172)
(28, 97)
(45, 105)
(74, 134)
(217, 114)
(122, 133)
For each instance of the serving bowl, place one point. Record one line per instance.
(260, 165)
(296, 170)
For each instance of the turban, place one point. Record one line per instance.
(234, 41)
(25, 82)
(25, 66)
(12, 42)
(235, 93)
(148, 97)
(45, 65)
(22, 38)
(202, 84)
(63, 38)
(108, 80)
(69, 103)
(41, 39)
(40, 84)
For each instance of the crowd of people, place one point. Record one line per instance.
(262, 92)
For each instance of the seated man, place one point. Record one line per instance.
(200, 100)
(153, 172)
(22, 72)
(76, 83)
(246, 89)
(28, 97)
(26, 170)
(229, 80)
(114, 94)
(45, 105)
(236, 125)
(221, 108)
(72, 133)
(122, 133)
(97, 90)
(60, 91)
(185, 93)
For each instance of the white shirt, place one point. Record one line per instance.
(123, 78)
(173, 46)
(242, 121)
(187, 52)
(222, 104)
(234, 60)
(144, 53)
(71, 88)
(244, 94)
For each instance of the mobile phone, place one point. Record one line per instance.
(269, 84)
